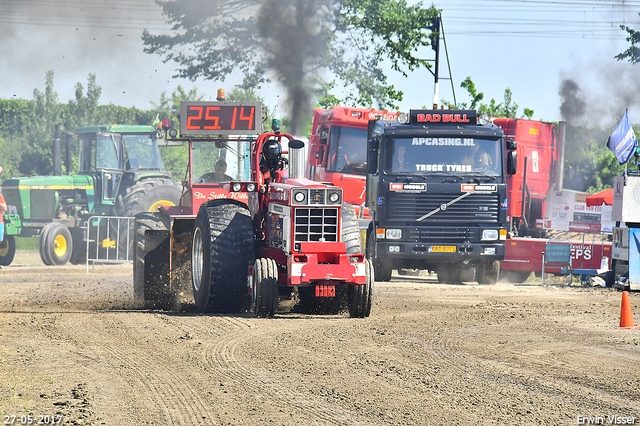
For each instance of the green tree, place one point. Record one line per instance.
(295, 41)
(175, 158)
(632, 54)
(507, 108)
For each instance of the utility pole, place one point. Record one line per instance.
(435, 45)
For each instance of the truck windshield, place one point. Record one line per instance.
(215, 162)
(142, 152)
(449, 155)
(348, 153)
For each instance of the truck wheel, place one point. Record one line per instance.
(515, 277)
(361, 296)
(146, 195)
(350, 229)
(223, 248)
(56, 244)
(265, 288)
(7, 250)
(449, 274)
(488, 272)
(382, 269)
(149, 274)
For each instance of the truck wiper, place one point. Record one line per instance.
(483, 177)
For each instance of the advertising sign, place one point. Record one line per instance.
(569, 212)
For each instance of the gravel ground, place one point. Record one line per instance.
(74, 346)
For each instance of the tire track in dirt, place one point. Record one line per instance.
(170, 388)
(222, 357)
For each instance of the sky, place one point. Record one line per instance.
(557, 57)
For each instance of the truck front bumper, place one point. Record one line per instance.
(400, 250)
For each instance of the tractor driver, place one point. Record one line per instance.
(272, 163)
(219, 174)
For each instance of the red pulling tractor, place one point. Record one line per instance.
(263, 233)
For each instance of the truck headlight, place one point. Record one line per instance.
(251, 187)
(489, 235)
(394, 234)
(236, 187)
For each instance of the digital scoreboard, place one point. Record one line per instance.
(198, 118)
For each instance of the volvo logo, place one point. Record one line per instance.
(443, 206)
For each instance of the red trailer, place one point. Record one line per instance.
(539, 166)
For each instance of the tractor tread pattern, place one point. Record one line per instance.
(232, 251)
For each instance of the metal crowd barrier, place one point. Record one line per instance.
(109, 239)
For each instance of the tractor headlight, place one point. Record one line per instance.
(299, 196)
(394, 234)
(484, 119)
(403, 118)
(489, 235)
(334, 196)
(251, 187)
(236, 187)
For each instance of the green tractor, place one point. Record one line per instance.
(120, 174)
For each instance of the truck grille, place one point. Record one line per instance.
(315, 225)
(440, 235)
(476, 208)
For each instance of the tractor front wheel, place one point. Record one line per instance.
(361, 296)
(56, 244)
(265, 288)
(7, 250)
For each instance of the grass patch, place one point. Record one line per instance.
(28, 243)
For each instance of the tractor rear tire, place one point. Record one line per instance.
(56, 244)
(361, 296)
(146, 195)
(488, 272)
(149, 276)
(7, 250)
(350, 229)
(223, 248)
(265, 288)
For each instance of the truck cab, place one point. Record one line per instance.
(436, 187)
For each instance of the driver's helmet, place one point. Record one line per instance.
(272, 153)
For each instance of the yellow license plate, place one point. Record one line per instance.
(442, 249)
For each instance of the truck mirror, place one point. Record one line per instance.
(372, 156)
(511, 144)
(512, 162)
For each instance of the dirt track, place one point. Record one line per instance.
(75, 345)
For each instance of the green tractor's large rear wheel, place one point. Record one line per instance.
(146, 195)
(223, 248)
(7, 250)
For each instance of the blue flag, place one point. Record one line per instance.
(623, 141)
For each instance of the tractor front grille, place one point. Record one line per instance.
(315, 224)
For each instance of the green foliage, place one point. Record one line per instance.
(507, 108)
(589, 165)
(633, 52)
(296, 42)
